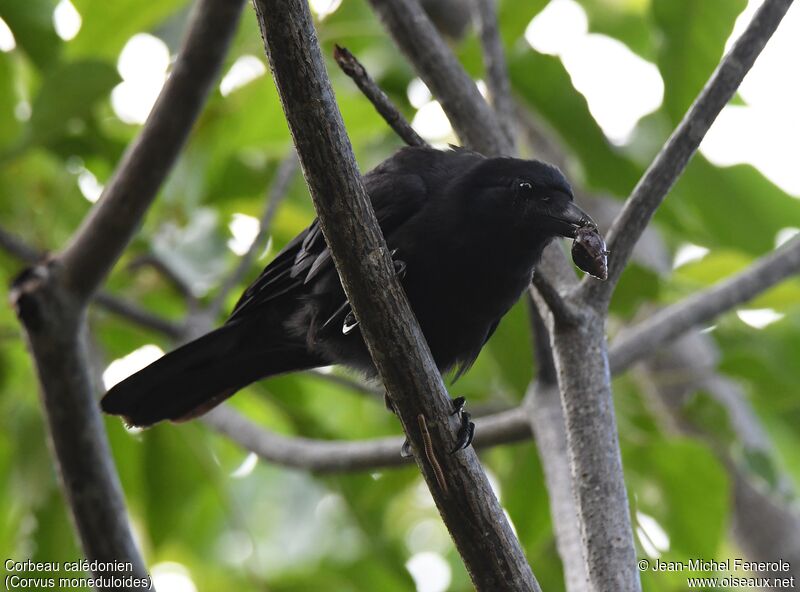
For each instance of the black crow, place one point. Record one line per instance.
(465, 232)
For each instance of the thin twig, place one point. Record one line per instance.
(164, 270)
(644, 339)
(277, 192)
(494, 62)
(472, 118)
(139, 316)
(670, 162)
(127, 310)
(383, 105)
(19, 248)
(338, 456)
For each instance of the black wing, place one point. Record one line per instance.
(397, 193)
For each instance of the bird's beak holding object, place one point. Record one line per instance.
(570, 219)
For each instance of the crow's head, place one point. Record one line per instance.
(522, 197)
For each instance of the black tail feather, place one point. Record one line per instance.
(196, 377)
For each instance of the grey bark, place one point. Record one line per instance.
(51, 298)
(462, 493)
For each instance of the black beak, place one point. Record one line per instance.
(570, 219)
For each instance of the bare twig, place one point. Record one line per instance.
(474, 121)
(339, 456)
(673, 321)
(110, 225)
(494, 62)
(19, 248)
(475, 519)
(139, 316)
(383, 105)
(50, 298)
(167, 273)
(123, 308)
(277, 192)
(668, 165)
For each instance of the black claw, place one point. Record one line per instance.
(465, 433)
(399, 265)
(350, 323)
(405, 450)
(458, 405)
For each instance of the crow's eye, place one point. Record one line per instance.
(525, 186)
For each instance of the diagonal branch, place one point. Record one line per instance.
(472, 118)
(470, 510)
(111, 224)
(668, 165)
(644, 339)
(383, 105)
(277, 192)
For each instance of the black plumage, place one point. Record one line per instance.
(466, 230)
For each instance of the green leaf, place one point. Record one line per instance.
(31, 21)
(545, 85)
(68, 92)
(107, 26)
(623, 21)
(735, 208)
(694, 35)
(685, 488)
(9, 124)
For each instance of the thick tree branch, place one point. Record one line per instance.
(579, 349)
(474, 121)
(671, 322)
(383, 105)
(482, 535)
(668, 165)
(55, 329)
(50, 298)
(545, 415)
(345, 456)
(110, 225)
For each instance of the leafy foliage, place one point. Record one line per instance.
(279, 529)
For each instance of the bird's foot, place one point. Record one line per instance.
(467, 430)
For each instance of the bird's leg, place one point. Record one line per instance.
(467, 430)
(350, 321)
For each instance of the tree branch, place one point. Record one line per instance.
(383, 105)
(337, 456)
(111, 224)
(50, 298)
(470, 510)
(277, 192)
(545, 415)
(579, 349)
(673, 321)
(474, 121)
(668, 165)
(123, 308)
(494, 62)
